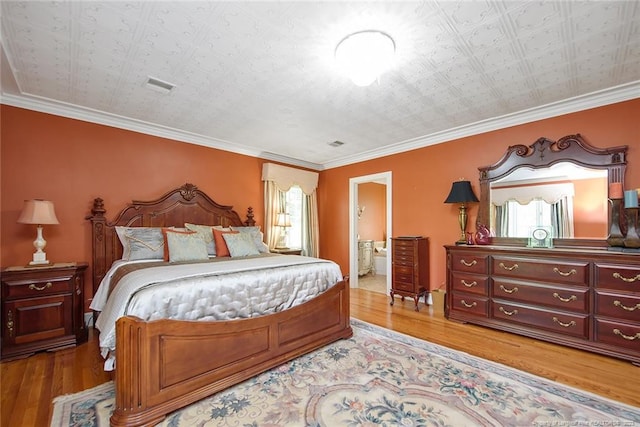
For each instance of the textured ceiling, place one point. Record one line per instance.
(259, 78)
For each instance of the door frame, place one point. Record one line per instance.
(384, 178)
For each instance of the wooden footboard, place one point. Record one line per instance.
(165, 365)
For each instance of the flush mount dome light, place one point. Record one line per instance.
(365, 55)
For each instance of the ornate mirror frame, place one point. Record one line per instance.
(544, 153)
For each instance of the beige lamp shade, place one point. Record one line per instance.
(283, 220)
(36, 211)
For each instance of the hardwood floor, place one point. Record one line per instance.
(29, 385)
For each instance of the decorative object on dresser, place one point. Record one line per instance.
(38, 212)
(631, 238)
(579, 298)
(42, 308)
(534, 164)
(461, 192)
(365, 257)
(410, 268)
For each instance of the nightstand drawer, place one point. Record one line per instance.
(37, 287)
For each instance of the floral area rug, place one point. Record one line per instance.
(377, 377)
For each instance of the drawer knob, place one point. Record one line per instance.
(565, 325)
(617, 275)
(571, 298)
(40, 288)
(565, 274)
(513, 267)
(468, 264)
(466, 304)
(627, 337)
(469, 285)
(624, 307)
(507, 312)
(509, 291)
(10, 323)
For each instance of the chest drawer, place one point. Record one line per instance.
(466, 282)
(471, 304)
(568, 298)
(40, 286)
(469, 263)
(576, 273)
(623, 278)
(619, 334)
(576, 325)
(626, 307)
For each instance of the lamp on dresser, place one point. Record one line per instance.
(39, 212)
(461, 192)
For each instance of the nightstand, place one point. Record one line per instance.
(42, 308)
(287, 251)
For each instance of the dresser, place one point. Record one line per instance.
(410, 268)
(587, 299)
(42, 308)
(365, 257)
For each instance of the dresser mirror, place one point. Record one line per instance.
(559, 185)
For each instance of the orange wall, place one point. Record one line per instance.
(371, 225)
(72, 162)
(422, 178)
(590, 208)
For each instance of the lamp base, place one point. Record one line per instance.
(39, 258)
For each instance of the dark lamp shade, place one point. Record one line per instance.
(461, 192)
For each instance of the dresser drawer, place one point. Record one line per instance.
(469, 263)
(471, 304)
(36, 287)
(569, 298)
(623, 278)
(542, 270)
(619, 334)
(623, 307)
(466, 282)
(575, 325)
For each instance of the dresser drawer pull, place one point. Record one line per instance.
(565, 325)
(562, 273)
(571, 298)
(466, 304)
(468, 264)
(626, 279)
(513, 267)
(509, 291)
(35, 287)
(10, 323)
(508, 313)
(469, 285)
(627, 337)
(624, 307)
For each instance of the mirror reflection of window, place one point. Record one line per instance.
(514, 219)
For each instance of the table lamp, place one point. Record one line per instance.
(461, 192)
(283, 220)
(39, 212)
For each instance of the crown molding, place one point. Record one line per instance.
(596, 99)
(600, 98)
(44, 105)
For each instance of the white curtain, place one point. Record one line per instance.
(550, 193)
(277, 181)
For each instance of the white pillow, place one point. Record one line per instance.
(186, 247)
(141, 242)
(206, 233)
(240, 244)
(256, 235)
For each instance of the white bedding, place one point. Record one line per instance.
(233, 289)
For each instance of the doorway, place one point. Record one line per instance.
(356, 210)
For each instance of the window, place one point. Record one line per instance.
(293, 206)
(522, 217)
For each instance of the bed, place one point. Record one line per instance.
(164, 365)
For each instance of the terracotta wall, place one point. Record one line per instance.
(72, 162)
(422, 178)
(372, 223)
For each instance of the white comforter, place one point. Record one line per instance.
(233, 289)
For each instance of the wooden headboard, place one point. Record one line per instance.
(183, 204)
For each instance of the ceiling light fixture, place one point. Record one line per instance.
(365, 55)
